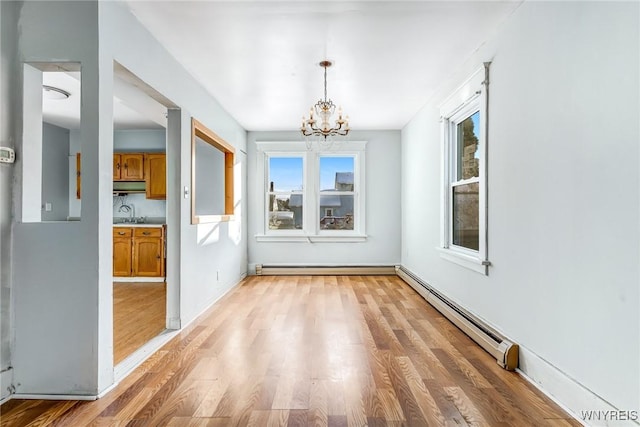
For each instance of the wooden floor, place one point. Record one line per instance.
(139, 314)
(318, 351)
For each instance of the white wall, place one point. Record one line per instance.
(141, 140)
(382, 174)
(55, 173)
(209, 189)
(563, 198)
(55, 265)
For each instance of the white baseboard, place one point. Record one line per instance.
(571, 395)
(332, 270)
(54, 396)
(135, 359)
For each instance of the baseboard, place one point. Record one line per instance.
(6, 384)
(584, 405)
(54, 396)
(323, 270)
(139, 279)
(135, 359)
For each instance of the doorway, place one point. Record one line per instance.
(144, 302)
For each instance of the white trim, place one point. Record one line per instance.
(135, 359)
(55, 396)
(466, 100)
(324, 238)
(458, 257)
(311, 232)
(464, 93)
(572, 396)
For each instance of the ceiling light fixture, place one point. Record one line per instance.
(50, 92)
(321, 127)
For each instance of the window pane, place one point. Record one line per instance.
(468, 154)
(466, 213)
(336, 212)
(285, 174)
(336, 173)
(285, 212)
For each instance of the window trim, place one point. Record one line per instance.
(311, 232)
(470, 97)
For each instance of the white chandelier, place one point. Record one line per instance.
(324, 109)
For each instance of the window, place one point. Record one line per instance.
(285, 202)
(212, 162)
(464, 175)
(337, 192)
(312, 196)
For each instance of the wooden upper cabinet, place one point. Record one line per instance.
(116, 167)
(128, 167)
(155, 165)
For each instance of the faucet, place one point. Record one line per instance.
(130, 209)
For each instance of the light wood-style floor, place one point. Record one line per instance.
(318, 351)
(139, 314)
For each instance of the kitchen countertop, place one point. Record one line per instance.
(137, 225)
(148, 222)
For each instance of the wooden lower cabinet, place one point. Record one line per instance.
(138, 251)
(122, 251)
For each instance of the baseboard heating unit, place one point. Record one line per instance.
(275, 270)
(505, 352)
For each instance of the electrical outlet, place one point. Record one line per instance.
(48, 207)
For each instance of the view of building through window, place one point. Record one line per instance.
(286, 185)
(465, 191)
(335, 203)
(336, 192)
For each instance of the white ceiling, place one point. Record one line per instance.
(132, 109)
(259, 58)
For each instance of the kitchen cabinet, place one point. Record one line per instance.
(138, 251)
(128, 167)
(122, 251)
(148, 253)
(155, 165)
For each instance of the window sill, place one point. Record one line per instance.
(311, 239)
(467, 261)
